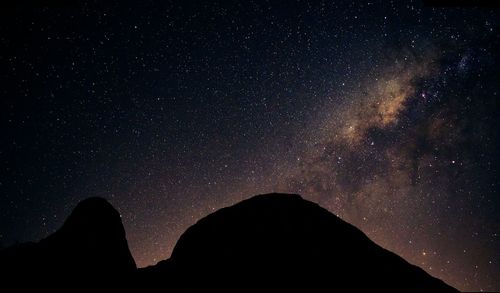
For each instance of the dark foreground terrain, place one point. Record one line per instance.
(277, 242)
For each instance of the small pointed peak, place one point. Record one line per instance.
(94, 213)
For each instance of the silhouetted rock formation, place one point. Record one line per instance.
(277, 242)
(90, 248)
(282, 242)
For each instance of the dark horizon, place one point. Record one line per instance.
(275, 241)
(384, 113)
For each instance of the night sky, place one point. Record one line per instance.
(386, 114)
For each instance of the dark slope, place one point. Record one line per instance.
(89, 248)
(282, 242)
(275, 242)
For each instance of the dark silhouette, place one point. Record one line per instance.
(88, 250)
(281, 242)
(277, 242)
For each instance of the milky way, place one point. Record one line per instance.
(384, 113)
(397, 161)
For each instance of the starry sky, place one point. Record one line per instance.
(385, 113)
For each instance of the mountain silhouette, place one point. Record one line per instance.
(281, 242)
(89, 249)
(277, 242)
